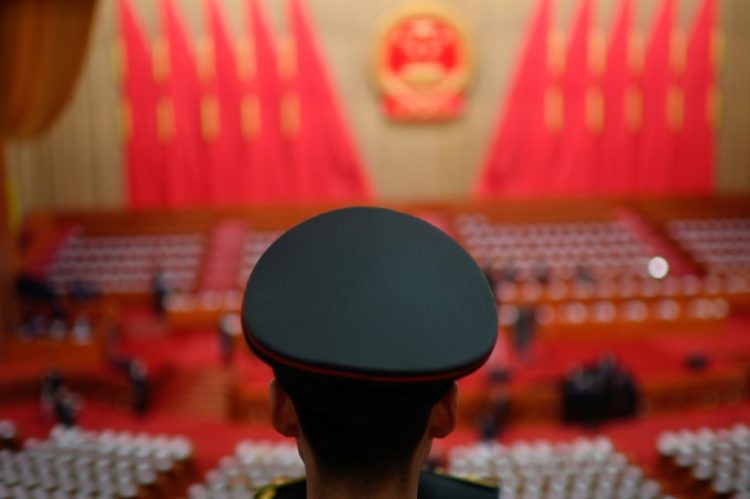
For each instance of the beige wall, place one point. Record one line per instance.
(79, 163)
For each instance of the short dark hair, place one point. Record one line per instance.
(361, 430)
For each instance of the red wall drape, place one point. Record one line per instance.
(654, 165)
(577, 159)
(185, 153)
(517, 162)
(633, 128)
(621, 93)
(226, 159)
(143, 152)
(220, 125)
(321, 148)
(696, 141)
(262, 92)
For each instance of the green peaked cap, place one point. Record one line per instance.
(371, 294)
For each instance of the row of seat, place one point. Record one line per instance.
(605, 248)
(550, 238)
(624, 288)
(120, 283)
(709, 463)
(582, 469)
(127, 264)
(718, 244)
(83, 251)
(79, 239)
(630, 311)
(253, 466)
(76, 463)
(132, 264)
(714, 228)
(531, 269)
(559, 250)
(469, 224)
(730, 246)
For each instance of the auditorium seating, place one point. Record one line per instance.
(719, 245)
(707, 462)
(72, 462)
(582, 264)
(205, 307)
(253, 465)
(77, 463)
(122, 264)
(585, 468)
(593, 273)
(576, 262)
(604, 248)
(588, 273)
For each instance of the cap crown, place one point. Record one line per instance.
(370, 293)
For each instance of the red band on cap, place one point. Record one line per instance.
(272, 356)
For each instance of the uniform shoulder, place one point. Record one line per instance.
(439, 486)
(292, 489)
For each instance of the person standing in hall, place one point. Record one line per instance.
(367, 317)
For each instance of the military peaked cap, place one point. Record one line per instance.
(369, 294)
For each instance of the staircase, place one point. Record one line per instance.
(657, 242)
(201, 393)
(223, 257)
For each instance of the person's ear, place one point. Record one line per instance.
(283, 414)
(444, 414)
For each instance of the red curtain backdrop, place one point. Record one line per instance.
(518, 159)
(696, 141)
(621, 97)
(185, 153)
(655, 165)
(143, 151)
(321, 150)
(220, 113)
(262, 111)
(237, 125)
(221, 121)
(577, 160)
(629, 124)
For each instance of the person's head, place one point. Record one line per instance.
(361, 431)
(367, 316)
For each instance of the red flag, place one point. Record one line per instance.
(621, 96)
(661, 108)
(322, 150)
(261, 104)
(696, 145)
(220, 114)
(577, 160)
(180, 121)
(145, 176)
(518, 159)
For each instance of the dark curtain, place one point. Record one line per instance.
(42, 48)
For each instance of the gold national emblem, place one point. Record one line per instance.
(422, 63)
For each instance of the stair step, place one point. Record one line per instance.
(203, 393)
